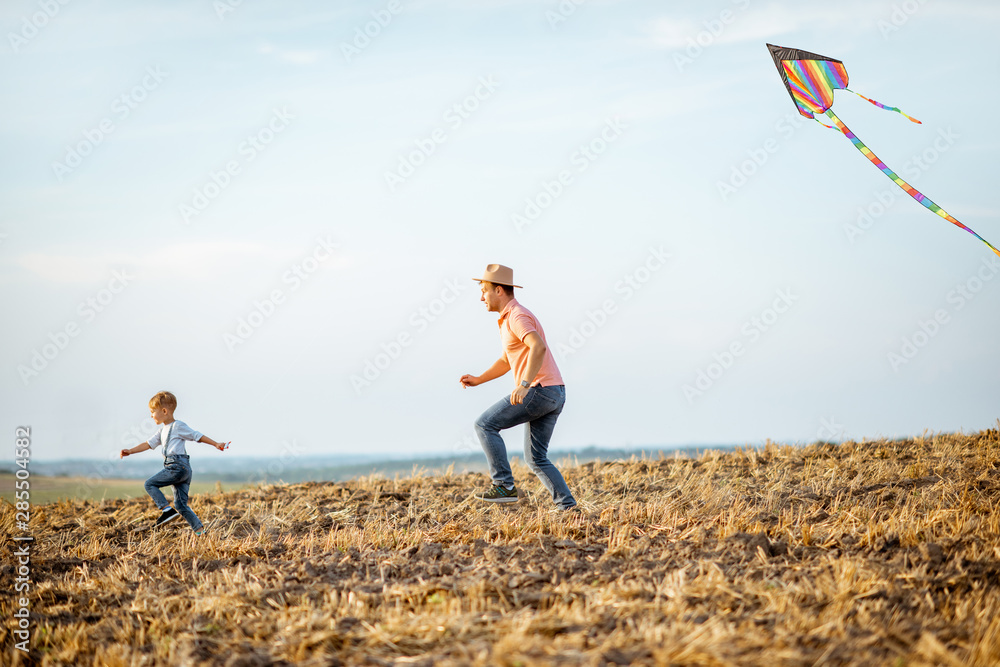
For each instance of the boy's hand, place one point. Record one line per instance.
(222, 446)
(125, 453)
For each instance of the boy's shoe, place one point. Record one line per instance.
(199, 533)
(167, 515)
(499, 494)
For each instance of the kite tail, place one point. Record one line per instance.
(909, 189)
(882, 106)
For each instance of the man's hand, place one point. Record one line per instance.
(517, 396)
(222, 446)
(125, 452)
(469, 380)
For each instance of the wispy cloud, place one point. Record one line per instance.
(752, 24)
(757, 22)
(292, 56)
(185, 262)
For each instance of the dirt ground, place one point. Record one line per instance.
(881, 552)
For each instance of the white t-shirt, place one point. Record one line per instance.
(178, 432)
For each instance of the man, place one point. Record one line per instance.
(538, 396)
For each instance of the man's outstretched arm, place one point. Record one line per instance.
(499, 367)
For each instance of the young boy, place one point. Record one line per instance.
(176, 466)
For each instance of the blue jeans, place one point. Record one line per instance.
(540, 409)
(176, 473)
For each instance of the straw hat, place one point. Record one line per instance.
(498, 274)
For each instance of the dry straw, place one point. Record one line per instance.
(869, 553)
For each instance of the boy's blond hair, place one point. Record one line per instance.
(163, 399)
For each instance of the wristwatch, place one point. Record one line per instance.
(525, 384)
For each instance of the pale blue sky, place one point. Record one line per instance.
(686, 97)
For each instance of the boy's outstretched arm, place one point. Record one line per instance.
(135, 450)
(221, 446)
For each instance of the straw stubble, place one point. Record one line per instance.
(883, 552)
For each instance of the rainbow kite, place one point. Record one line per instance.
(810, 80)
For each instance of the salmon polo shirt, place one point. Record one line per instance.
(516, 322)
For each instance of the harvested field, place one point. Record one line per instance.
(871, 553)
(53, 489)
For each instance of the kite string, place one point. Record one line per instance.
(887, 108)
(907, 188)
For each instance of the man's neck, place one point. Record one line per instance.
(503, 306)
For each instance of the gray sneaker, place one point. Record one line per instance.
(499, 494)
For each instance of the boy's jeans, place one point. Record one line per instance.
(540, 409)
(176, 473)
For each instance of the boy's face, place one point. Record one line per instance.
(160, 414)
